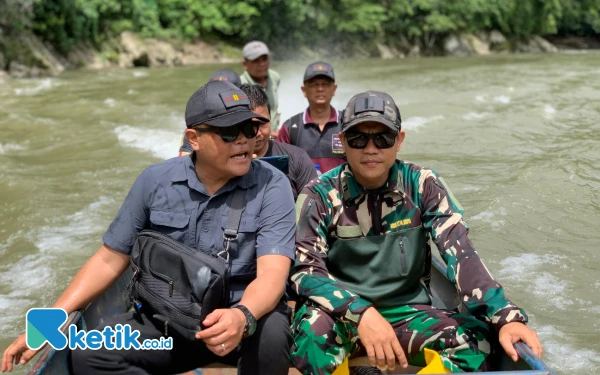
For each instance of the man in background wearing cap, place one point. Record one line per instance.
(226, 75)
(185, 198)
(300, 169)
(256, 72)
(316, 129)
(364, 261)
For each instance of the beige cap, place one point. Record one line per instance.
(255, 49)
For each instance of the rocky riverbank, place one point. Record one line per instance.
(29, 57)
(483, 43)
(26, 56)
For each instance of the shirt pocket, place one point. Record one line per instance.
(172, 223)
(412, 243)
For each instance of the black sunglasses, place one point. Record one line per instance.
(381, 140)
(230, 133)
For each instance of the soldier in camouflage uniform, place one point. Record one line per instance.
(363, 260)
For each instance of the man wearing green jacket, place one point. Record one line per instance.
(257, 72)
(363, 260)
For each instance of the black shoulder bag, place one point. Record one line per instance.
(178, 285)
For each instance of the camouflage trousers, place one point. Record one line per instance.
(322, 343)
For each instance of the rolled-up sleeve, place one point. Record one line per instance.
(131, 218)
(482, 295)
(276, 221)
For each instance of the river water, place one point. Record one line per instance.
(517, 138)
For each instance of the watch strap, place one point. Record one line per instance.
(250, 319)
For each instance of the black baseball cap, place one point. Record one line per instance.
(319, 68)
(372, 106)
(221, 104)
(227, 75)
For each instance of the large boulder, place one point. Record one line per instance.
(18, 70)
(146, 52)
(490, 41)
(535, 44)
(387, 52)
(384, 51)
(544, 45)
(85, 55)
(163, 54)
(25, 55)
(415, 51)
(478, 45)
(496, 38)
(133, 51)
(204, 53)
(45, 57)
(466, 45)
(455, 45)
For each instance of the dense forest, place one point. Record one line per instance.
(287, 25)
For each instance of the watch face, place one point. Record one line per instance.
(252, 328)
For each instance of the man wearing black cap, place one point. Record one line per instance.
(300, 168)
(316, 129)
(227, 75)
(364, 261)
(221, 75)
(186, 199)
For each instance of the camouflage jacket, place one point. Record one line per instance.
(412, 196)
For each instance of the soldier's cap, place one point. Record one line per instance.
(372, 106)
(221, 104)
(227, 75)
(319, 68)
(255, 49)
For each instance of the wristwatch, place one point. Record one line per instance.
(250, 320)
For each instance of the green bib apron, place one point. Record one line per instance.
(385, 270)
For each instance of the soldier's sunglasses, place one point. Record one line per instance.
(381, 140)
(230, 133)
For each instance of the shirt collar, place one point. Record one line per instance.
(333, 116)
(252, 81)
(351, 189)
(187, 172)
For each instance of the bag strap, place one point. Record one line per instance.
(234, 217)
(294, 128)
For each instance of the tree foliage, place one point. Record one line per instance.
(295, 23)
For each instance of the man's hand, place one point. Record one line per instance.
(17, 352)
(380, 341)
(226, 328)
(514, 332)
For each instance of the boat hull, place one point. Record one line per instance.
(115, 301)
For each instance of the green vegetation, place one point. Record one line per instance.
(290, 24)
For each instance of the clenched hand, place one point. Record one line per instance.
(224, 332)
(380, 341)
